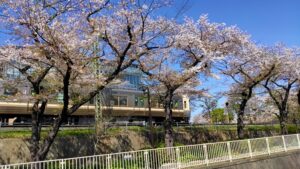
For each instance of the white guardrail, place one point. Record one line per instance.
(172, 157)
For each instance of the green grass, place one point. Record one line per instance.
(61, 133)
(77, 132)
(26, 133)
(15, 134)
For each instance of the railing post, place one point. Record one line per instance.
(250, 149)
(229, 151)
(146, 158)
(205, 154)
(298, 140)
(178, 157)
(268, 146)
(284, 145)
(94, 161)
(62, 164)
(108, 162)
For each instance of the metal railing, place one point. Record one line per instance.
(134, 123)
(173, 157)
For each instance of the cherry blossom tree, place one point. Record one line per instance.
(195, 47)
(280, 84)
(208, 104)
(293, 109)
(247, 71)
(62, 40)
(198, 119)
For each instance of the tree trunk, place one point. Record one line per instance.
(240, 124)
(283, 110)
(42, 153)
(43, 149)
(169, 135)
(241, 113)
(283, 121)
(150, 118)
(298, 97)
(37, 114)
(35, 132)
(240, 120)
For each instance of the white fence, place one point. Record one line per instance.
(173, 157)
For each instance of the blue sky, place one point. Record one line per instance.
(267, 21)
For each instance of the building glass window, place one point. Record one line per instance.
(118, 101)
(1, 71)
(161, 105)
(60, 97)
(10, 91)
(139, 101)
(92, 101)
(114, 101)
(123, 100)
(132, 79)
(12, 73)
(154, 102)
(175, 104)
(136, 101)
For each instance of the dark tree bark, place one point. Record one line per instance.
(169, 133)
(41, 150)
(37, 115)
(38, 149)
(44, 148)
(248, 86)
(283, 117)
(283, 112)
(38, 108)
(281, 101)
(298, 96)
(241, 112)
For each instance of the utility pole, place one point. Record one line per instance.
(226, 113)
(99, 125)
(146, 90)
(150, 115)
(98, 115)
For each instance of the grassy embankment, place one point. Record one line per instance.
(25, 133)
